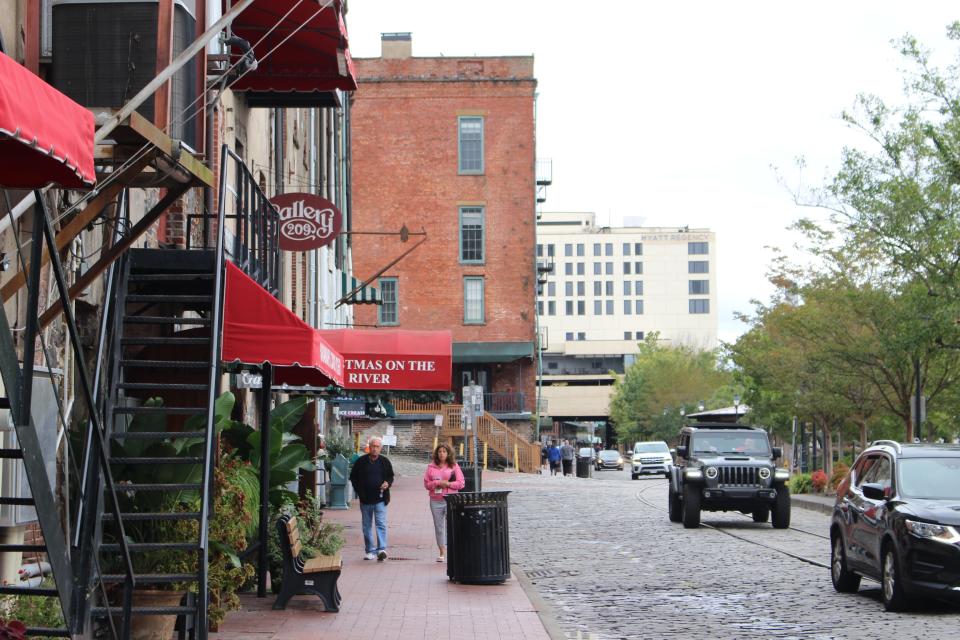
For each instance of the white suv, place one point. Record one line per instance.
(651, 457)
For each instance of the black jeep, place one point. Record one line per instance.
(728, 467)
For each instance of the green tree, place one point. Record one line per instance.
(646, 402)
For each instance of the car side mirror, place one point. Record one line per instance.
(777, 453)
(682, 451)
(873, 491)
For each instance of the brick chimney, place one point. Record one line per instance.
(396, 45)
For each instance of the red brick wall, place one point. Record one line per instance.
(404, 155)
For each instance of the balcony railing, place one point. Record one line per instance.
(403, 405)
(504, 402)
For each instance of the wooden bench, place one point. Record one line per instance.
(304, 576)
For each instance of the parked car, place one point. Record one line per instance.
(609, 459)
(897, 520)
(651, 457)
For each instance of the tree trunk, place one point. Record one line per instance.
(827, 448)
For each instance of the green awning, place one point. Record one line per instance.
(491, 351)
(365, 295)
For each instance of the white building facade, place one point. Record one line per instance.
(608, 288)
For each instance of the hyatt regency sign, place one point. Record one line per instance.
(306, 221)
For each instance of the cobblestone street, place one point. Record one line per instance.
(602, 553)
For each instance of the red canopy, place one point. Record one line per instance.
(257, 328)
(313, 59)
(395, 360)
(44, 135)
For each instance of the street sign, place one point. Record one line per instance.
(249, 380)
(438, 420)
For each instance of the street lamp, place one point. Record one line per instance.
(701, 406)
(736, 407)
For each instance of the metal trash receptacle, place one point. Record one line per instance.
(478, 537)
(468, 478)
(585, 467)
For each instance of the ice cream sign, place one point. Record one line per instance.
(307, 221)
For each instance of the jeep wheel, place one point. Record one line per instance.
(674, 506)
(844, 580)
(761, 514)
(781, 508)
(634, 476)
(691, 506)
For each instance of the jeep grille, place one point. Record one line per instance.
(739, 476)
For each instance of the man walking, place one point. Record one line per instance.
(567, 453)
(371, 477)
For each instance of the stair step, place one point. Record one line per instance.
(164, 341)
(159, 486)
(22, 502)
(161, 409)
(28, 591)
(166, 364)
(11, 454)
(166, 460)
(149, 386)
(157, 435)
(23, 547)
(47, 632)
(161, 515)
(139, 547)
(161, 277)
(164, 320)
(152, 578)
(165, 297)
(100, 612)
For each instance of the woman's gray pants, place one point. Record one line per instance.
(439, 510)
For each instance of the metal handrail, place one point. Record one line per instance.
(88, 399)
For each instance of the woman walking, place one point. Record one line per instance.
(443, 476)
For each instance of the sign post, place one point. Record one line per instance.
(476, 410)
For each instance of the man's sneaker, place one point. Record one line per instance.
(381, 556)
(369, 556)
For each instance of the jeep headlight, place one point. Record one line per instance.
(619, 460)
(764, 473)
(781, 475)
(938, 532)
(711, 472)
(693, 474)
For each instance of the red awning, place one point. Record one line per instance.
(305, 53)
(389, 360)
(257, 328)
(44, 135)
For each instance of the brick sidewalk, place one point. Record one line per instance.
(408, 596)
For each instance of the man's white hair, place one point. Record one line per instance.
(373, 439)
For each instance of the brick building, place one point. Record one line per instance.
(447, 144)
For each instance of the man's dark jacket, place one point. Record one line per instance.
(356, 479)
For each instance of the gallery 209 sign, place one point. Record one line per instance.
(307, 221)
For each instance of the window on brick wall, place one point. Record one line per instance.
(470, 143)
(471, 235)
(473, 300)
(388, 313)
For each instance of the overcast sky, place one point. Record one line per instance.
(678, 112)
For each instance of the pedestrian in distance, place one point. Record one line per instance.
(567, 456)
(371, 477)
(442, 477)
(554, 456)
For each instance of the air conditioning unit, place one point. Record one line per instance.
(105, 52)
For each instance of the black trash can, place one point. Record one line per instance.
(478, 538)
(468, 478)
(585, 467)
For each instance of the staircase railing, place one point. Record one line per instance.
(517, 450)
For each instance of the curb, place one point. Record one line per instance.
(544, 610)
(811, 505)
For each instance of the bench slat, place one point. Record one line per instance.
(323, 563)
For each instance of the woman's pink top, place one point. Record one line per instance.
(434, 473)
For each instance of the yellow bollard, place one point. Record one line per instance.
(461, 449)
(516, 466)
(434, 443)
(484, 456)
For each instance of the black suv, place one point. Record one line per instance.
(897, 520)
(727, 467)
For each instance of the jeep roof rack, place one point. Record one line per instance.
(886, 443)
(723, 425)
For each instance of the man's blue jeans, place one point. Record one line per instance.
(371, 513)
